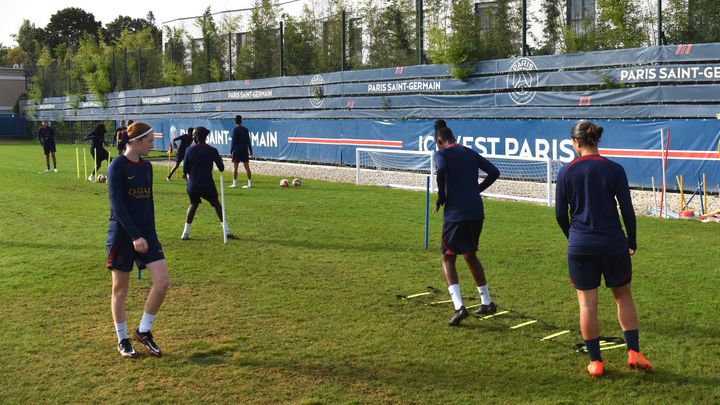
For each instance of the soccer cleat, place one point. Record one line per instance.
(167, 178)
(47, 170)
(146, 338)
(125, 348)
(91, 178)
(55, 170)
(234, 185)
(637, 360)
(458, 316)
(488, 309)
(595, 368)
(246, 186)
(185, 236)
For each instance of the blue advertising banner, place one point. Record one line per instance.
(694, 145)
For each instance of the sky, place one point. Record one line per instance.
(39, 11)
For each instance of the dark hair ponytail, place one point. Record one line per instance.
(587, 133)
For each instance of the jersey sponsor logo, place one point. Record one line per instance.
(522, 78)
(316, 91)
(140, 193)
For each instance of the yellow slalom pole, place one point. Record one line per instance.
(77, 161)
(85, 162)
(603, 348)
(682, 193)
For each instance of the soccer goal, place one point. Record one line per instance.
(521, 178)
(524, 178)
(394, 168)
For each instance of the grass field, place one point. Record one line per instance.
(302, 308)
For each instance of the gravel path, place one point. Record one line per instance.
(643, 200)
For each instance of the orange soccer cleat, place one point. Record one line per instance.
(595, 368)
(637, 360)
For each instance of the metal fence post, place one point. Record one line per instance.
(282, 49)
(344, 41)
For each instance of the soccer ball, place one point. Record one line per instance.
(101, 178)
(297, 182)
(284, 183)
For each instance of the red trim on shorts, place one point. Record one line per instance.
(111, 256)
(448, 251)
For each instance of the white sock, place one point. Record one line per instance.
(234, 183)
(249, 183)
(146, 322)
(226, 229)
(121, 330)
(484, 295)
(186, 230)
(455, 295)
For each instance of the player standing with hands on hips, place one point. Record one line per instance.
(590, 188)
(241, 149)
(132, 237)
(46, 136)
(458, 190)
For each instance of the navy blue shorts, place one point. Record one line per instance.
(211, 196)
(49, 146)
(461, 237)
(586, 270)
(122, 254)
(180, 156)
(240, 155)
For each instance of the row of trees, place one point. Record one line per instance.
(75, 54)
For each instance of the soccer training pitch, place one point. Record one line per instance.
(302, 307)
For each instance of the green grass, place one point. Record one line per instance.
(302, 307)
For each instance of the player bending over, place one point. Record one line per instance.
(197, 170)
(132, 237)
(458, 189)
(590, 188)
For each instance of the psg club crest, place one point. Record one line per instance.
(316, 91)
(197, 98)
(522, 78)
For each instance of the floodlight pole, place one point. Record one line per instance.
(282, 49)
(420, 19)
(344, 40)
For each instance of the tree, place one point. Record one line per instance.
(207, 55)
(260, 56)
(552, 27)
(501, 40)
(436, 30)
(93, 61)
(140, 55)
(68, 25)
(692, 21)
(619, 25)
(124, 23)
(29, 39)
(464, 46)
(17, 56)
(395, 35)
(173, 65)
(298, 42)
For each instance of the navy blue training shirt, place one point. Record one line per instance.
(131, 199)
(185, 141)
(241, 139)
(46, 134)
(199, 166)
(457, 180)
(588, 187)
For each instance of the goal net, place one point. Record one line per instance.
(524, 178)
(394, 168)
(521, 178)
